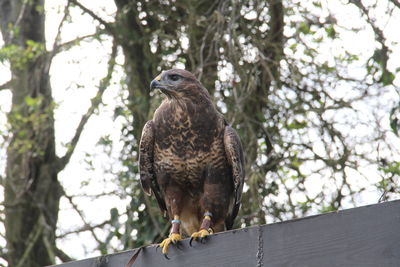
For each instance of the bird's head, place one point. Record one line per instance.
(176, 83)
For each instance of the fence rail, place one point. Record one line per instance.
(365, 236)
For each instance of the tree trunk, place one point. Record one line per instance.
(140, 64)
(255, 104)
(32, 191)
(202, 54)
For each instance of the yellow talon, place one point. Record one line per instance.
(174, 237)
(200, 234)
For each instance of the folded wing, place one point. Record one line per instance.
(234, 153)
(146, 165)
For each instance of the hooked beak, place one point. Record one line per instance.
(156, 83)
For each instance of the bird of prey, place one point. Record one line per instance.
(191, 160)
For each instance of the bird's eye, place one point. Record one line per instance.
(174, 77)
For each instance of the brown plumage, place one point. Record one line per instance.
(191, 159)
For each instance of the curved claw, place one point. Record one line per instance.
(200, 236)
(166, 256)
(174, 238)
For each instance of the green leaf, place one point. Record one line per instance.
(330, 31)
(32, 102)
(317, 4)
(392, 168)
(293, 47)
(325, 209)
(295, 125)
(114, 215)
(387, 78)
(394, 121)
(304, 28)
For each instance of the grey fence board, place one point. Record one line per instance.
(365, 236)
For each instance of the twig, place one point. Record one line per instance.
(96, 100)
(377, 31)
(396, 3)
(106, 25)
(58, 47)
(62, 255)
(19, 19)
(379, 36)
(49, 248)
(65, 46)
(6, 85)
(80, 213)
(52, 53)
(84, 228)
(58, 36)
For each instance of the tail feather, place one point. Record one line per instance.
(231, 218)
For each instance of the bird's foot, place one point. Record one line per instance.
(173, 238)
(200, 235)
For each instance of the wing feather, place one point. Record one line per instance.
(148, 178)
(234, 153)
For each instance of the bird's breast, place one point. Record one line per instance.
(187, 141)
(184, 163)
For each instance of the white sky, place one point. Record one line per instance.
(86, 64)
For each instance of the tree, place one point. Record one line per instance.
(317, 134)
(32, 190)
(279, 94)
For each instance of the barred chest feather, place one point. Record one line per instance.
(188, 140)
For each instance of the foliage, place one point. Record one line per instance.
(282, 95)
(19, 56)
(395, 119)
(317, 117)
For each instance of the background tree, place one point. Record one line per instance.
(318, 118)
(32, 191)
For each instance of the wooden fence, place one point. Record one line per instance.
(365, 236)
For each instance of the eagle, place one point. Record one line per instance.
(191, 159)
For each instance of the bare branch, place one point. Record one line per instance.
(96, 196)
(84, 229)
(364, 10)
(19, 19)
(52, 53)
(80, 213)
(64, 18)
(6, 85)
(67, 45)
(96, 100)
(106, 25)
(379, 36)
(396, 3)
(57, 46)
(50, 248)
(62, 255)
